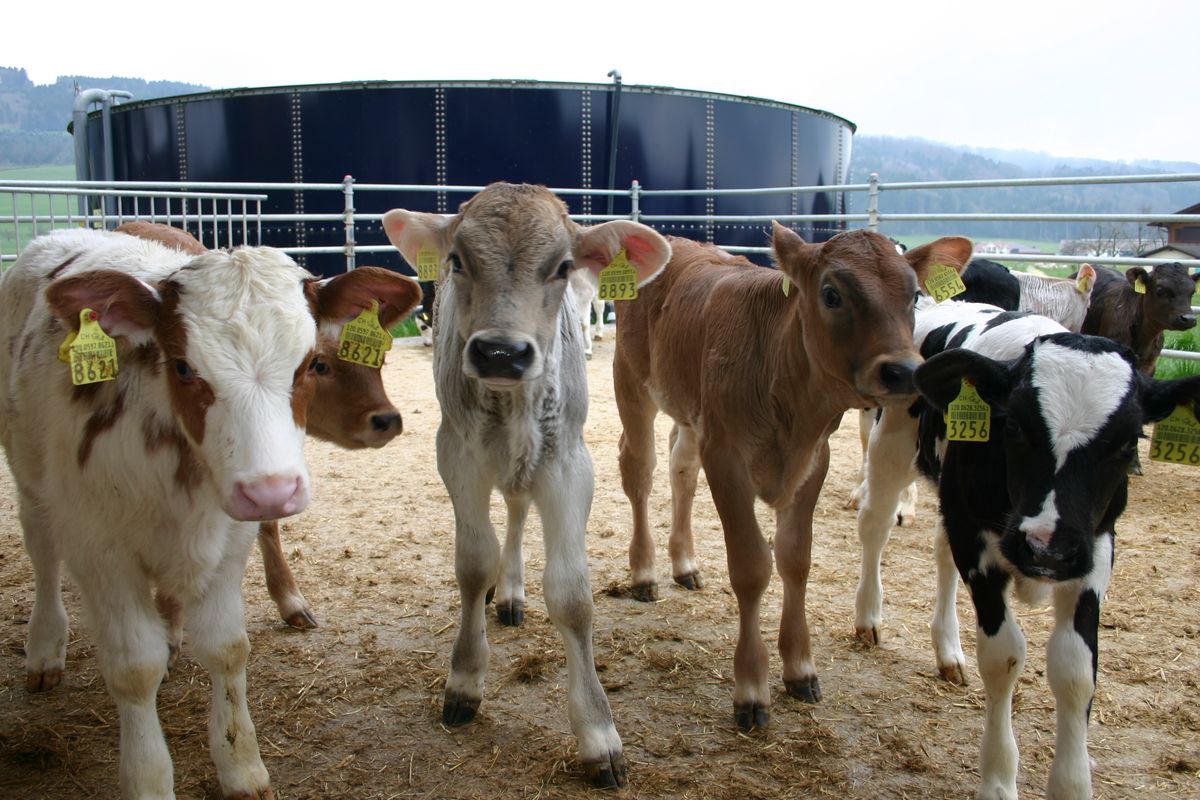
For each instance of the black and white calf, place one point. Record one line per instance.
(1033, 508)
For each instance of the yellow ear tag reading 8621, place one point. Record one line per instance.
(364, 340)
(943, 283)
(618, 281)
(968, 417)
(92, 352)
(1176, 439)
(429, 266)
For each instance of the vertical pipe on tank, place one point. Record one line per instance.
(614, 129)
(79, 113)
(873, 202)
(348, 220)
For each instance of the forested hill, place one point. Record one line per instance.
(34, 117)
(919, 160)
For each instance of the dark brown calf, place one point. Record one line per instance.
(756, 381)
(350, 408)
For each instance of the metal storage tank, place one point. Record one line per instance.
(476, 132)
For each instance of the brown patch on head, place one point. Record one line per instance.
(162, 434)
(348, 398)
(101, 420)
(304, 386)
(174, 238)
(191, 396)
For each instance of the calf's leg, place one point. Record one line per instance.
(563, 493)
(635, 456)
(476, 561)
(947, 644)
(510, 583)
(1071, 662)
(46, 640)
(281, 583)
(685, 467)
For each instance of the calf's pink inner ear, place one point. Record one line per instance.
(125, 305)
(343, 298)
(410, 232)
(646, 250)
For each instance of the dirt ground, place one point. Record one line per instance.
(352, 708)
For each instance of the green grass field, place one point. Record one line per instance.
(14, 236)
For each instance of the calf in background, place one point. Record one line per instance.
(511, 380)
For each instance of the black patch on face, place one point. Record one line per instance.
(1002, 317)
(935, 341)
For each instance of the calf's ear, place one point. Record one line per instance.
(1135, 274)
(596, 246)
(1159, 398)
(940, 378)
(1085, 279)
(410, 232)
(794, 256)
(344, 297)
(950, 251)
(126, 306)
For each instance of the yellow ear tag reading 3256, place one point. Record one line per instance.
(943, 283)
(1176, 439)
(93, 353)
(363, 340)
(618, 281)
(429, 266)
(968, 417)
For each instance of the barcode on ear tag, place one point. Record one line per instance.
(1176, 439)
(618, 281)
(429, 266)
(943, 283)
(93, 353)
(968, 417)
(364, 340)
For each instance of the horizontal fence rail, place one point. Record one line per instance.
(226, 214)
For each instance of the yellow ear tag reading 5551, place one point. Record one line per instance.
(93, 353)
(943, 283)
(618, 281)
(429, 266)
(1176, 439)
(364, 340)
(968, 417)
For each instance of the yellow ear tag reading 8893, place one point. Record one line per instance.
(1176, 439)
(968, 417)
(943, 283)
(364, 340)
(618, 281)
(429, 266)
(92, 352)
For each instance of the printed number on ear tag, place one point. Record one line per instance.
(93, 353)
(364, 340)
(429, 266)
(968, 417)
(1139, 286)
(943, 283)
(618, 281)
(1176, 439)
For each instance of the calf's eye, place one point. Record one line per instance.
(830, 297)
(184, 371)
(318, 366)
(564, 269)
(456, 266)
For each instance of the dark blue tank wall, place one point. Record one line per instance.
(476, 133)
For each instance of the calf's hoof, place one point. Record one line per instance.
(644, 592)
(487, 598)
(749, 716)
(458, 709)
(301, 620)
(44, 680)
(954, 673)
(690, 581)
(868, 636)
(806, 689)
(260, 794)
(609, 773)
(510, 612)
(906, 520)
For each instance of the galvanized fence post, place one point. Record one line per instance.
(634, 192)
(873, 202)
(348, 217)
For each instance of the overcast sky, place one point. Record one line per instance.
(1100, 79)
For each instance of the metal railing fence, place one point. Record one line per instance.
(224, 214)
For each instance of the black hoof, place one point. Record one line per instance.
(511, 613)
(691, 581)
(487, 598)
(751, 716)
(458, 709)
(644, 592)
(806, 689)
(302, 620)
(610, 774)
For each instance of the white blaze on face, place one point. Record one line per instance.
(1077, 393)
(1041, 527)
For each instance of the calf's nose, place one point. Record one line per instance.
(384, 423)
(1185, 322)
(272, 497)
(499, 359)
(897, 376)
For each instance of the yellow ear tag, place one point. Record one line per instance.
(787, 285)
(968, 417)
(1139, 286)
(364, 340)
(943, 283)
(93, 353)
(1176, 439)
(64, 349)
(618, 281)
(429, 266)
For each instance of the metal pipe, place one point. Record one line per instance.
(614, 131)
(348, 220)
(873, 203)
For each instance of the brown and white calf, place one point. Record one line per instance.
(350, 408)
(756, 381)
(156, 480)
(510, 376)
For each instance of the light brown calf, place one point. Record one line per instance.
(756, 381)
(350, 409)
